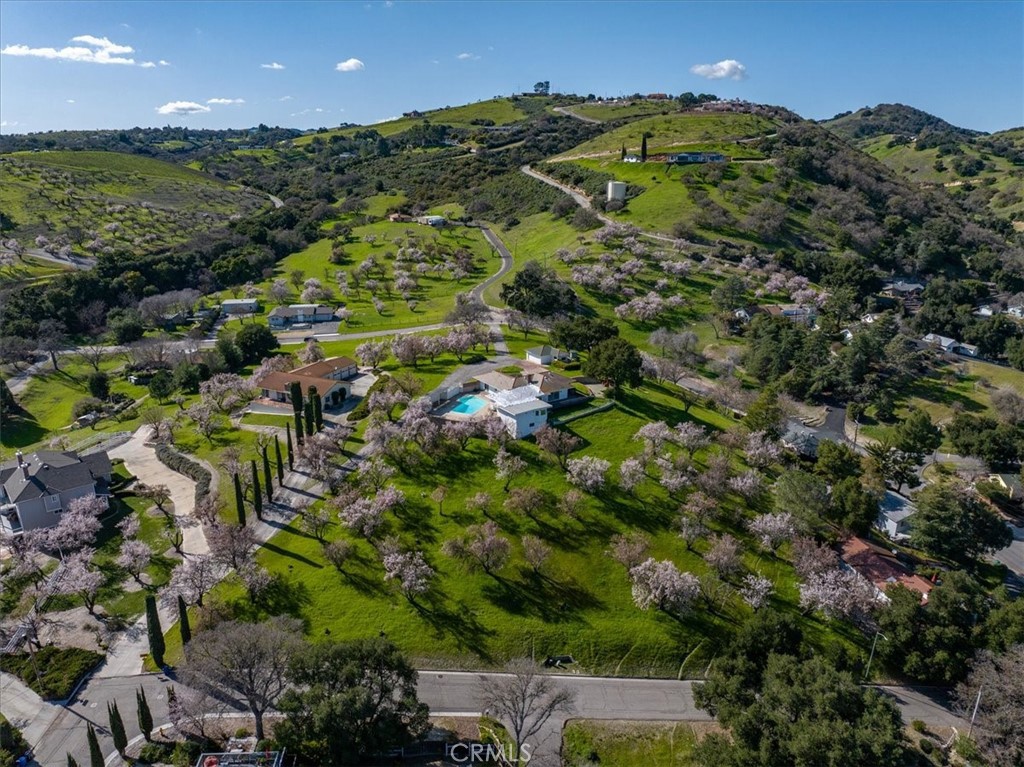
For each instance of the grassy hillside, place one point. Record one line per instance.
(609, 112)
(668, 131)
(891, 118)
(99, 200)
(498, 111)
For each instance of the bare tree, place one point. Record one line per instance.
(996, 687)
(248, 659)
(523, 699)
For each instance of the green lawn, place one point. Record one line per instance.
(627, 744)
(608, 112)
(29, 271)
(580, 605)
(674, 130)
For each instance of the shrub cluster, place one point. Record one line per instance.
(175, 461)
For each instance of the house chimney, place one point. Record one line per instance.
(20, 457)
(24, 471)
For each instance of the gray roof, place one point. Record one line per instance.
(524, 407)
(895, 507)
(51, 472)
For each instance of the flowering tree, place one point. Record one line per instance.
(495, 431)
(662, 585)
(374, 473)
(372, 353)
(812, 558)
(225, 391)
(535, 552)
(320, 453)
(389, 499)
(338, 553)
(631, 474)
(409, 349)
(361, 516)
(459, 432)
(485, 547)
(279, 363)
(762, 451)
(313, 291)
(386, 400)
(231, 545)
(587, 473)
(257, 580)
(571, 503)
(158, 494)
(714, 480)
(311, 352)
(691, 437)
(508, 466)
(756, 591)
(629, 549)
(205, 418)
(524, 501)
(315, 521)
(409, 569)
(748, 484)
(129, 526)
(724, 556)
(699, 505)
(557, 442)
(654, 436)
(78, 525)
(81, 579)
(772, 529)
(192, 579)
(279, 291)
(838, 594)
(690, 529)
(478, 502)
(135, 557)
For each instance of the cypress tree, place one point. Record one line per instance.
(623, 155)
(71, 761)
(117, 728)
(239, 500)
(268, 481)
(145, 715)
(257, 492)
(183, 624)
(295, 395)
(277, 460)
(318, 408)
(95, 755)
(156, 634)
(309, 417)
(291, 451)
(298, 429)
(643, 149)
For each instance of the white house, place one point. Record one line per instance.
(523, 394)
(522, 411)
(1016, 311)
(240, 306)
(951, 345)
(988, 310)
(35, 489)
(545, 355)
(282, 316)
(894, 513)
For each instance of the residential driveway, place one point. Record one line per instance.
(1013, 555)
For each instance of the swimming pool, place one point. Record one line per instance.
(468, 404)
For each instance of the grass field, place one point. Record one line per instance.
(580, 604)
(29, 270)
(501, 111)
(628, 744)
(129, 201)
(674, 130)
(609, 112)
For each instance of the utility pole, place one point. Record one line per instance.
(867, 671)
(977, 703)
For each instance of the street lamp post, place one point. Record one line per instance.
(871, 657)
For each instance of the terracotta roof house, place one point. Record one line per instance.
(328, 376)
(35, 489)
(880, 568)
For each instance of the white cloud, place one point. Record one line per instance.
(225, 102)
(286, 98)
(147, 65)
(725, 69)
(95, 50)
(272, 65)
(164, 63)
(467, 57)
(349, 65)
(70, 101)
(182, 108)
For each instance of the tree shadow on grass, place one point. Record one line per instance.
(417, 518)
(454, 620)
(551, 600)
(291, 555)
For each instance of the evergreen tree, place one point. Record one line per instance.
(309, 417)
(295, 395)
(71, 761)
(318, 408)
(183, 624)
(257, 492)
(643, 149)
(622, 156)
(156, 633)
(95, 755)
(144, 714)
(117, 728)
(268, 481)
(291, 450)
(239, 500)
(298, 431)
(277, 459)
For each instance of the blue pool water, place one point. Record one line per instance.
(468, 404)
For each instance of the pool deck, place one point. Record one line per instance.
(446, 411)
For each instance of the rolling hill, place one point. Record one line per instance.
(111, 200)
(897, 119)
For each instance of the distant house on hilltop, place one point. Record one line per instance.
(36, 489)
(950, 345)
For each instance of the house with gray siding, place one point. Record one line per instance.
(35, 489)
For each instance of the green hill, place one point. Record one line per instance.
(98, 200)
(897, 119)
(666, 132)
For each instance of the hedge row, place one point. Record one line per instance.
(360, 411)
(175, 461)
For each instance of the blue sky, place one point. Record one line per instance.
(65, 65)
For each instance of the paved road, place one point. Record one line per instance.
(75, 262)
(506, 264)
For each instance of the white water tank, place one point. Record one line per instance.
(616, 190)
